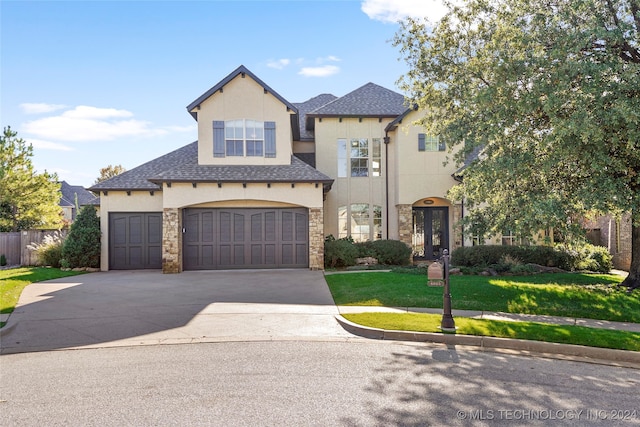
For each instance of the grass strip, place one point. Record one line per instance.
(564, 334)
(589, 296)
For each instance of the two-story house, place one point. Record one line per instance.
(267, 180)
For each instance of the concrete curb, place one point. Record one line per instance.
(492, 343)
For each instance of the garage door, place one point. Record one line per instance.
(135, 240)
(245, 238)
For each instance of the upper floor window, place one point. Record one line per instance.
(244, 137)
(360, 158)
(430, 143)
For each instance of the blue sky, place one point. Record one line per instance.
(94, 83)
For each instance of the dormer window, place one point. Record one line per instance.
(244, 138)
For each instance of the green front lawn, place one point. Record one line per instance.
(591, 296)
(13, 281)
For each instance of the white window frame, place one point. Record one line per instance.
(247, 134)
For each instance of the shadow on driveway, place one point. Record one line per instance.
(119, 308)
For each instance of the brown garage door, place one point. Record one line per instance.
(135, 240)
(245, 238)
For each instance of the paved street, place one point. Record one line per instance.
(298, 383)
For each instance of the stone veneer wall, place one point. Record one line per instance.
(316, 239)
(405, 223)
(171, 241)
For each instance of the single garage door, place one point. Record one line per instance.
(135, 240)
(245, 238)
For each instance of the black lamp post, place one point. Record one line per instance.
(447, 324)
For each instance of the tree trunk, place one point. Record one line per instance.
(633, 279)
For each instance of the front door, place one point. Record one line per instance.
(430, 232)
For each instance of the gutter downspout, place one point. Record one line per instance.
(386, 140)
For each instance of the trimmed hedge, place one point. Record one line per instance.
(343, 252)
(583, 257)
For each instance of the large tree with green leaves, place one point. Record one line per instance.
(541, 99)
(27, 199)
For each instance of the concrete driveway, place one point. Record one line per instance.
(123, 308)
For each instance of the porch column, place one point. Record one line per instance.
(316, 239)
(171, 241)
(405, 223)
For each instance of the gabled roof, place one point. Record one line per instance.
(369, 100)
(306, 107)
(70, 192)
(244, 72)
(182, 165)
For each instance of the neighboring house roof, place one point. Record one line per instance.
(70, 192)
(369, 100)
(240, 70)
(182, 165)
(306, 131)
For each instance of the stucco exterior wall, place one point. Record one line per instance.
(419, 173)
(182, 195)
(348, 190)
(243, 98)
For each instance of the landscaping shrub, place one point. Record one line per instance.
(49, 251)
(343, 252)
(503, 258)
(588, 257)
(82, 246)
(3, 260)
(340, 252)
(390, 252)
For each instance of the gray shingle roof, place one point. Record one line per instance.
(69, 192)
(306, 132)
(182, 165)
(369, 100)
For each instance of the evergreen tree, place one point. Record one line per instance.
(27, 199)
(82, 246)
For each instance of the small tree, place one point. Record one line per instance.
(82, 246)
(109, 172)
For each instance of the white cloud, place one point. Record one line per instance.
(330, 58)
(278, 64)
(324, 71)
(39, 108)
(85, 123)
(48, 145)
(393, 11)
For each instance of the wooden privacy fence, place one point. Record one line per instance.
(14, 245)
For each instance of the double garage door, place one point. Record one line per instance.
(214, 239)
(245, 238)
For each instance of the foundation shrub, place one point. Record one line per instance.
(339, 252)
(578, 256)
(390, 252)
